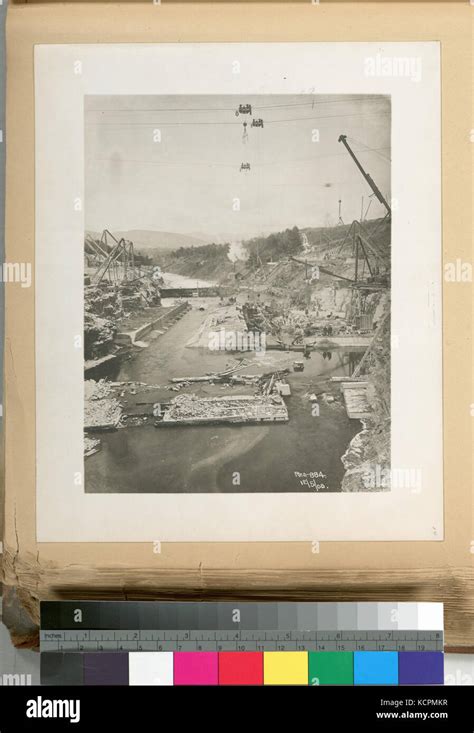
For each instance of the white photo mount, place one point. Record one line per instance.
(64, 74)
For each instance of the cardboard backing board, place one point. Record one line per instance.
(434, 571)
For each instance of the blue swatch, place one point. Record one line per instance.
(421, 668)
(376, 668)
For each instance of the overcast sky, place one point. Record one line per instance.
(187, 182)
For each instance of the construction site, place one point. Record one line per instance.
(289, 345)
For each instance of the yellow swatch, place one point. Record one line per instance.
(285, 668)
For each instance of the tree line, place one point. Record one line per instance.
(274, 247)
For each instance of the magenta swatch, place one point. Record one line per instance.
(196, 668)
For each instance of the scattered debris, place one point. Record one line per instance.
(193, 410)
(101, 410)
(283, 388)
(91, 446)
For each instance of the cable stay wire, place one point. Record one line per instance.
(373, 98)
(164, 123)
(230, 165)
(374, 150)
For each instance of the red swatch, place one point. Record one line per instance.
(240, 668)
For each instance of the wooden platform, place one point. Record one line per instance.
(355, 399)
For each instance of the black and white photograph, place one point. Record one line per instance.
(237, 289)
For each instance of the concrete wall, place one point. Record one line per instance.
(164, 319)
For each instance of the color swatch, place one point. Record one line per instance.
(243, 668)
(285, 668)
(196, 668)
(331, 668)
(240, 668)
(106, 669)
(151, 668)
(62, 668)
(375, 668)
(420, 668)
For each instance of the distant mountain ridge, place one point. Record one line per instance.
(144, 239)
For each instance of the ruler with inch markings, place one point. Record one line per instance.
(258, 640)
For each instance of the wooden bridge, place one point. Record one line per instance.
(213, 291)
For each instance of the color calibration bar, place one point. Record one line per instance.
(242, 668)
(233, 643)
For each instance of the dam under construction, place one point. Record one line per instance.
(269, 370)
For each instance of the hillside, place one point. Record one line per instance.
(326, 237)
(206, 262)
(211, 261)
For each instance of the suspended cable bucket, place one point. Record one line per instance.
(243, 109)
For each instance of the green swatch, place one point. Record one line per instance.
(331, 668)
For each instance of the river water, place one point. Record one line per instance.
(172, 280)
(245, 458)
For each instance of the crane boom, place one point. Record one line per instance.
(343, 139)
(322, 269)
